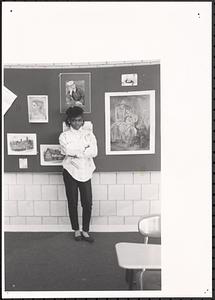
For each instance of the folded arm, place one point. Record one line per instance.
(68, 149)
(91, 149)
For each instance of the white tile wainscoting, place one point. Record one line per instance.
(37, 201)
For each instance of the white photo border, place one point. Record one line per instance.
(43, 97)
(42, 161)
(152, 122)
(33, 136)
(75, 77)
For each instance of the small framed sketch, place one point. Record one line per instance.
(23, 163)
(50, 155)
(22, 143)
(130, 122)
(87, 126)
(38, 108)
(75, 90)
(129, 79)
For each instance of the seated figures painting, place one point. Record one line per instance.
(130, 122)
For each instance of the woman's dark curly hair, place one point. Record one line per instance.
(73, 112)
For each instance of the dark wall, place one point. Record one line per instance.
(25, 82)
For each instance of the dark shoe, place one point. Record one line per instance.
(78, 238)
(88, 239)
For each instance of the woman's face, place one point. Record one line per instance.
(77, 122)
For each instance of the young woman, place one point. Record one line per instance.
(79, 147)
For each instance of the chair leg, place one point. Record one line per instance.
(146, 239)
(138, 279)
(129, 274)
(141, 279)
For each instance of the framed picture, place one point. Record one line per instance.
(87, 126)
(129, 79)
(75, 90)
(130, 122)
(38, 109)
(50, 155)
(22, 143)
(23, 163)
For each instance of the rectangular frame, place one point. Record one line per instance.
(82, 94)
(54, 152)
(130, 122)
(37, 108)
(22, 143)
(129, 79)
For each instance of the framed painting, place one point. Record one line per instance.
(129, 79)
(130, 122)
(75, 90)
(38, 108)
(22, 143)
(50, 155)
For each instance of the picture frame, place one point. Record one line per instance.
(37, 108)
(50, 155)
(23, 163)
(75, 90)
(130, 122)
(129, 79)
(22, 143)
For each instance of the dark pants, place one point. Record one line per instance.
(72, 185)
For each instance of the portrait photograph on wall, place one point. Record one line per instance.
(129, 79)
(50, 155)
(23, 163)
(75, 90)
(22, 143)
(38, 108)
(130, 122)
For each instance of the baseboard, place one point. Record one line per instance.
(61, 228)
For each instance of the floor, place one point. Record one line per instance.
(53, 261)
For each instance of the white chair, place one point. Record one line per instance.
(149, 227)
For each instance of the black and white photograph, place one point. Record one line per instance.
(23, 163)
(130, 122)
(50, 155)
(21, 144)
(38, 108)
(75, 90)
(106, 182)
(129, 79)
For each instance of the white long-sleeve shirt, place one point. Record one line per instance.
(82, 144)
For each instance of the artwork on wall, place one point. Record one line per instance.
(130, 122)
(50, 155)
(129, 79)
(38, 108)
(23, 163)
(8, 98)
(22, 143)
(75, 90)
(87, 126)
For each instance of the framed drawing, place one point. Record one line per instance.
(75, 90)
(23, 163)
(22, 143)
(129, 79)
(38, 108)
(130, 122)
(50, 155)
